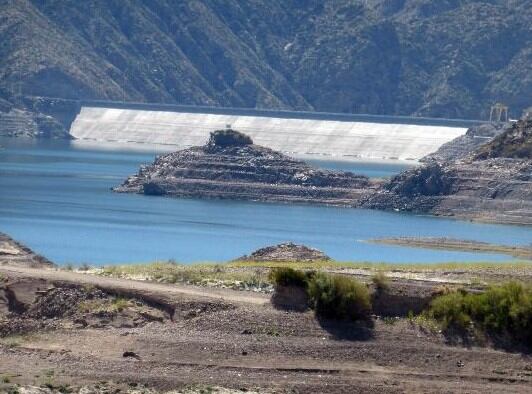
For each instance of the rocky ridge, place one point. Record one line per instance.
(494, 183)
(230, 166)
(514, 143)
(15, 253)
(23, 123)
(287, 251)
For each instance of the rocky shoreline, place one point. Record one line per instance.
(64, 331)
(444, 243)
(15, 253)
(491, 184)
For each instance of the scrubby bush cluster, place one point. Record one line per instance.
(503, 311)
(331, 296)
(339, 297)
(380, 281)
(229, 137)
(285, 276)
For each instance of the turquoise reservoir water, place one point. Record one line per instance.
(56, 198)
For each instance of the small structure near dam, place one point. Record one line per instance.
(330, 136)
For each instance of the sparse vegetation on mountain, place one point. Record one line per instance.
(515, 143)
(421, 57)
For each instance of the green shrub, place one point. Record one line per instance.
(229, 137)
(285, 276)
(502, 310)
(450, 309)
(339, 297)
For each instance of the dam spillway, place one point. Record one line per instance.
(331, 136)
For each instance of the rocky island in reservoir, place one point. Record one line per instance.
(230, 166)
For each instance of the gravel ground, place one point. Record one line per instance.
(237, 345)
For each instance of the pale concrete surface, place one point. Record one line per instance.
(329, 139)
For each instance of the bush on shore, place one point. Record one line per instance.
(339, 297)
(331, 296)
(286, 276)
(381, 282)
(501, 311)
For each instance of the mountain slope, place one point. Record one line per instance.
(450, 58)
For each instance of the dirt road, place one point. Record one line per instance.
(140, 289)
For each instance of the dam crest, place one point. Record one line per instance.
(329, 136)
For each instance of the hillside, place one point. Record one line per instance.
(464, 145)
(493, 183)
(514, 143)
(449, 58)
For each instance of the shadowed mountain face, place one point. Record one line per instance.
(449, 58)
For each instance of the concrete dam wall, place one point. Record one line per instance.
(331, 136)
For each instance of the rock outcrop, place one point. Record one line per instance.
(464, 145)
(494, 183)
(22, 123)
(288, 251)
(28, 305)
(230, 166)
(514, 143)
(14, 253)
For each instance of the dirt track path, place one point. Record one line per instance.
(139, 288)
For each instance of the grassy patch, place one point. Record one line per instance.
(239, 269)
(301, 265)
(376, 266)
(381, 281)
(196, 274)
(248, 275)
(425, 322)
(117, 304)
